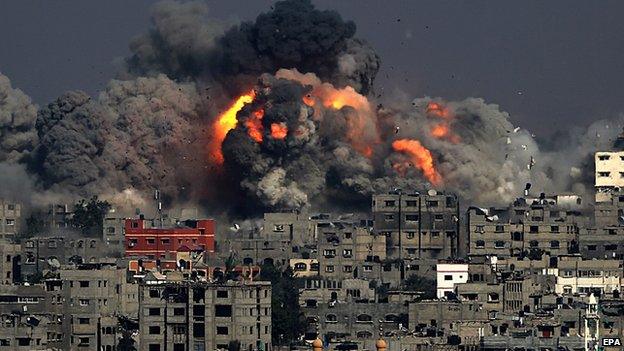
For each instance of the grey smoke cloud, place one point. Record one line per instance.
(151, 129)
(17, 118)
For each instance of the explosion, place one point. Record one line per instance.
(442, 129)
(279, 130)
(226, 122)
(420, 158)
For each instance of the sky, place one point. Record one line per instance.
(550, 64)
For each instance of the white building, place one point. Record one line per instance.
(449, 274)
(609, 173)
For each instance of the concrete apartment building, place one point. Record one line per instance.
(609, 173)
(187, 315)
(346, 250)
(92, 297)
(29, 319)
(41, 253)
(549, 224)
(10, 219)
(424, 226)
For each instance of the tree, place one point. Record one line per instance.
(287, 320)
(89, 216)
(418, 283)
(35, 225)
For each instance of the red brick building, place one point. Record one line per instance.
(155, 242)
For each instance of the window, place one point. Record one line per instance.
(84, 302)
(554, 229)
(480, 244)
(179, 329)
(389, 203)
(83, 341)
(480, 229)
(448, 277)
(151, 241)
(591, 247)
(432, 203)
(364, 318)
(435, 233)
(499, 244)
(411, 235)
(329, 253)
(222, 331)
(178, 346)
(153, 311)
(438, 217)
(411, 203)
(604, 174)
(83, 321)
(347, 253)
(329, 269)
(222, 294)
(554, 244)
(611, 247)
(533, 243)
(154, 330)
(179, 311)
(10, 221)
(533, 229)
(300, 267)
(411, 218)
(347, 269)
(278, 228)
(110, 230)
(368, 268)
(154, 293)
(347, 235)
(499, 228)
(165, 241)
(52, 244)
(11, 207)
(84, 283)
(603, 157)
(389, 217)
(223, 311)
(153, 347)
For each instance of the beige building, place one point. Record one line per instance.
(609, 173)
(10, 218)
(418, 225)
(186, 315)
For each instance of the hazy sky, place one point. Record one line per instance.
(550, 64)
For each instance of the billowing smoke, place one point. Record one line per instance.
(305, 131)
(136, 134)
(184, 44)
(17, 119)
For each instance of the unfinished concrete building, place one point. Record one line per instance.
(528, 225)
(424, 226)
(187, 315)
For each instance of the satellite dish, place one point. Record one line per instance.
(54, 263)
(432, 192)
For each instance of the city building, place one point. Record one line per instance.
(154, 242)
(188, 315)
(10, 219)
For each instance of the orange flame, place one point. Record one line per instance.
(254, 125)
(438, 110)
(308, 100)
(279, 130)
(442, 130)
(226, 122)
(421, 158)
(361, 131)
